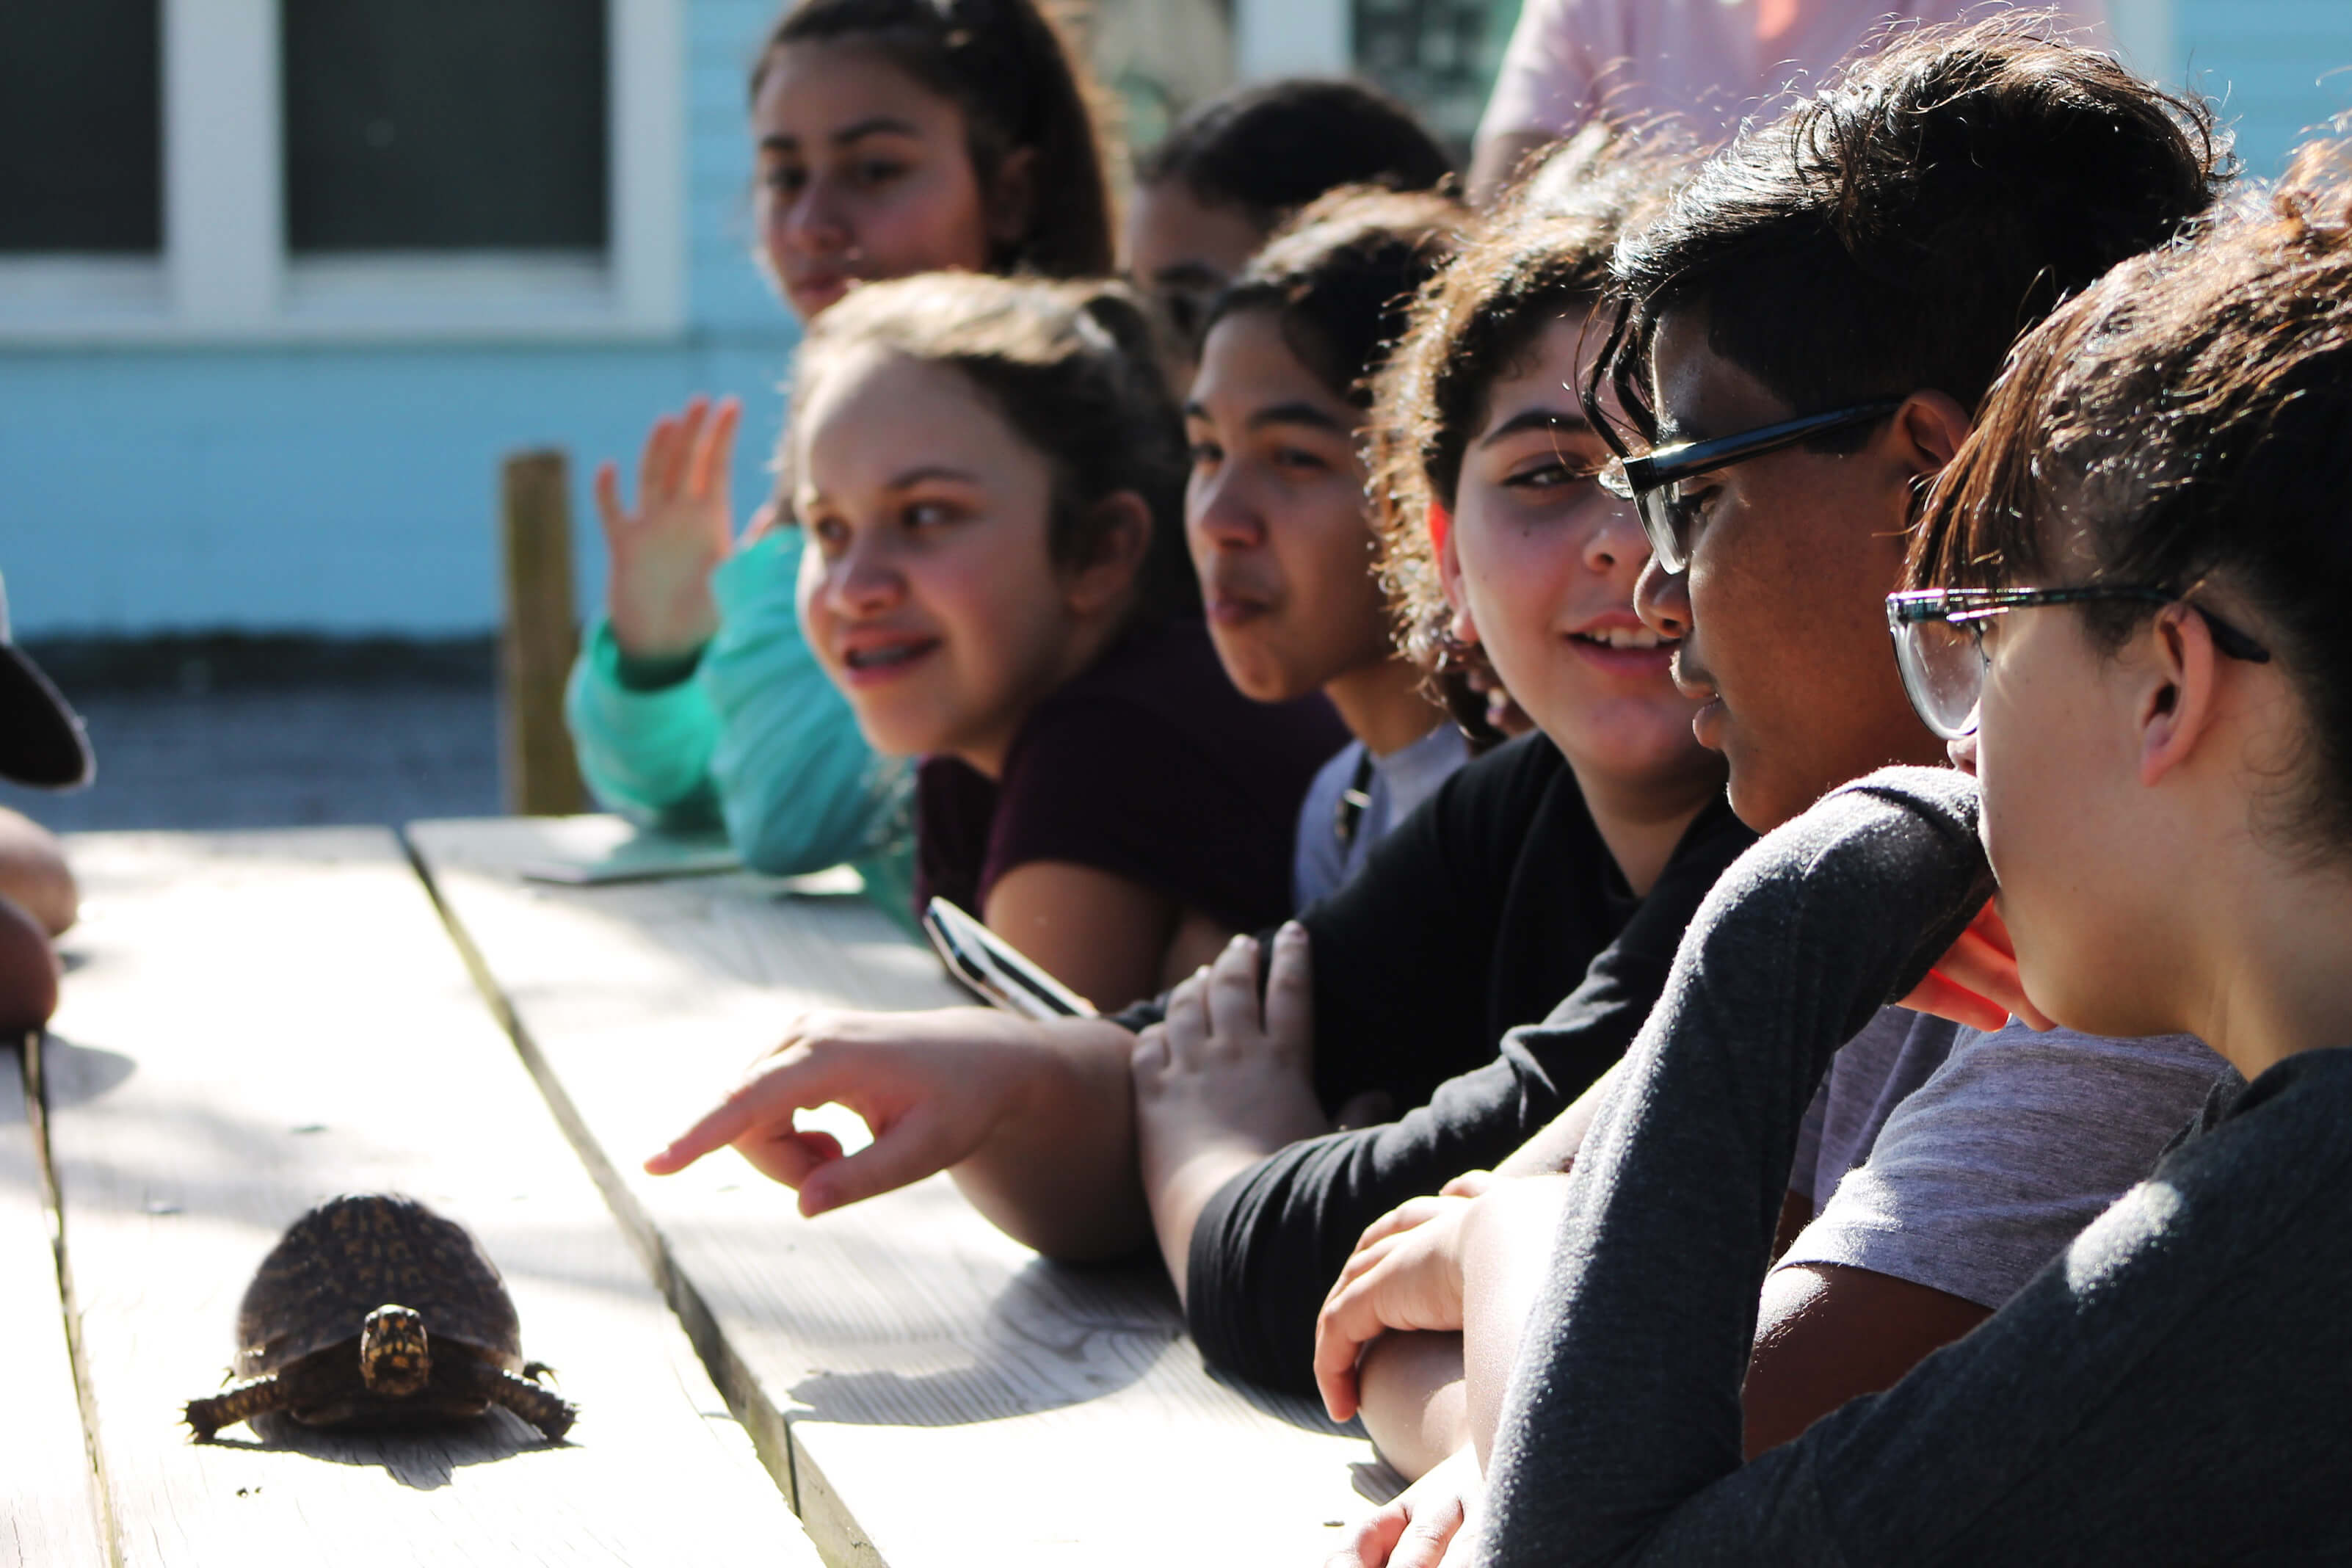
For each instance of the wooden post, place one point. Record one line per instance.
(538, 637)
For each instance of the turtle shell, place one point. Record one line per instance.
(352, 1254)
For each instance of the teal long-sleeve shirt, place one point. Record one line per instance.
(755, 739)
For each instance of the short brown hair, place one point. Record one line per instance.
(2186, 424)
(1070, 367)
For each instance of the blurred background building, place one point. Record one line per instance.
(270, 313)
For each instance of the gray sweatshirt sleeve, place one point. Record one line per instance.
(2171, 1389)
(1651, 1305)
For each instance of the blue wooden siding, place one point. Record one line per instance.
(2280, 69)
(352, 489)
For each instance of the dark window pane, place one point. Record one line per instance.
(444, 125)
(80, 140)
(1439, 56)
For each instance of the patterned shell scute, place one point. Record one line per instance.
(352, 1254)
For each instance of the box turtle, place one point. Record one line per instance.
(373, 1310)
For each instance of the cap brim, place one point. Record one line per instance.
(41, 738)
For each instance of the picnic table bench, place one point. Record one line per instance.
(257, 1021)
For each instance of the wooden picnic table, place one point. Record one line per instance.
(256, 1021)
(253, 1022)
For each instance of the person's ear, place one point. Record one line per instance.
(2175, 705)
(1120, 528)
(1012, 197)
(1449, 580)
(1928, 430)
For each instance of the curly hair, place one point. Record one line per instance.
(1545, 256)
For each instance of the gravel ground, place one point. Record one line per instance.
(279, 758)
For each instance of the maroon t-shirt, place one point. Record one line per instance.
(1150, 766)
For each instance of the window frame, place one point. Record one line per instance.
(224, 274)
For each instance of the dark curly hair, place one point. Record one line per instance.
(1545, 255)
(1019, 82)
(1070, 366)
(1900, 228)
(2186, 424)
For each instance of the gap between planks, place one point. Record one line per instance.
(93, 1541)
(759, 1418)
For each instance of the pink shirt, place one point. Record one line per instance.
(1708, 61)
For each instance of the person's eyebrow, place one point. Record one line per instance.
(1299, 414)
(1189, 274)
(1536, 419)
(876, 125)
(910, 478)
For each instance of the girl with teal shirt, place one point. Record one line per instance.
(893, 137)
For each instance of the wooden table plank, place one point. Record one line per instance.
(51, 1518)
(260, 1021)
(946, 1392)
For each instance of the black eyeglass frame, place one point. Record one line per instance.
(1969, 607)
(1645, 479)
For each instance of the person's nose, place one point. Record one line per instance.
(865, 581)
(1661, 598)
(1963, 753)
(1223, 516)
(814, 221)
(1616, 542)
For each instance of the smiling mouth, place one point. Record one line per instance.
(889, 657)
(1625, 640)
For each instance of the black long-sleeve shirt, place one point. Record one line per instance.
(1478, 913)
(2172, 1388)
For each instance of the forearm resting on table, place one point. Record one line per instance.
(1058, 1174)
(1506, 1257)
(1412, 1400)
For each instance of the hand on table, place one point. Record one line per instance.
(1975, 983)
(931, 1086)
(1431, 1523)
(658, 593)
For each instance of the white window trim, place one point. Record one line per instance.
(224, 275)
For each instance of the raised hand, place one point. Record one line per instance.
(662, 554)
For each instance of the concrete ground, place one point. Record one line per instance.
(193, 750)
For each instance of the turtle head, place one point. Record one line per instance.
(393, 1359)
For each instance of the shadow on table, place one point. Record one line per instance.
(425, 1457)
(75, 1075)
(1057, 1335)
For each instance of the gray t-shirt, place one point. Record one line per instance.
(2014, 1144)
(1964, 1161)
(1897, 1051)
(1401, 781)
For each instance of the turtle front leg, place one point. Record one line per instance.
(237, 1402)
(534, 1402)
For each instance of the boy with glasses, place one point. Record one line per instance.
(1803, 338)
